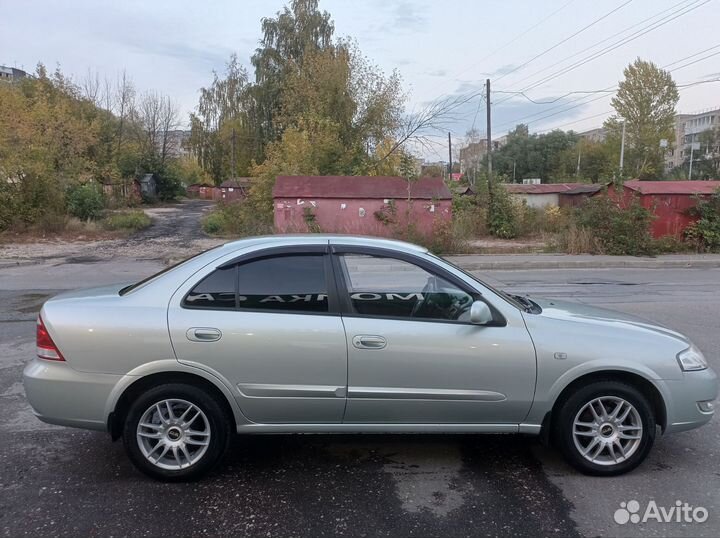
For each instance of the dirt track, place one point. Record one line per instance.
(175, 233)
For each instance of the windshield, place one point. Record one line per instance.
(132, 287)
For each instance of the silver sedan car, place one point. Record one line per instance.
(320, 334)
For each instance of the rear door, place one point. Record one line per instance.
(268, 324)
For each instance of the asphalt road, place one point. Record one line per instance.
(63, 482)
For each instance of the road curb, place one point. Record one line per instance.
(18, 263)
(586, 264)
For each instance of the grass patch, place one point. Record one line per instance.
(128, 221)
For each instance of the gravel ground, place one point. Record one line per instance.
(174, 233)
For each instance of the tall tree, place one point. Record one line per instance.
(297, 30)
(645, 101)
(536, 156)
(224, 127)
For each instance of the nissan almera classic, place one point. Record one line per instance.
(320, 334)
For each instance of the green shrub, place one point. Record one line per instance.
(670, 244)
(214, 223)
(236, 219)
(502, 214)
(131, 221)
(616, 230)
(704, 234)
(85, 202)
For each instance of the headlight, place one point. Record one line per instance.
(691, 359)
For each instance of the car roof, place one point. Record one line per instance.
(223, 252)
(319, 239)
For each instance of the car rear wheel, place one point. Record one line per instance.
(606, 428)
(176, 432)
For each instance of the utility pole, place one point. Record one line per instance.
(577, 171)
(232, 156)
(622, 149)
(692, 147)
(489, 135)
(449, 156)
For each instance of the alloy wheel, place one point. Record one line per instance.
(173, 434)
(607, 430)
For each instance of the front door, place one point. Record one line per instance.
(413, 355)
(265, 325)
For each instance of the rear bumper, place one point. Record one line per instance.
(60, 395)
(684, 412)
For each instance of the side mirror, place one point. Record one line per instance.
(480, 313)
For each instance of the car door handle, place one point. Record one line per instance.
(203, 334)
(366, 341)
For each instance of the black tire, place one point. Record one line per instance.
(565, 439)
(218, 421)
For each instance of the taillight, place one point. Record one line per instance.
(46, 348)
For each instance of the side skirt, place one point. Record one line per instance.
(532, 429)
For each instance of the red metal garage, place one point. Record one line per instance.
(359, 204)
(669, 201)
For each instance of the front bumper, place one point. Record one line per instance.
(60, 395)
(683, 397)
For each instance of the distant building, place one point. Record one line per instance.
(688, 128)
(429, 168)
(235, 189)
(11, 74)
(177, 143)
(594, 135)
(204, 192)
(471, 156)
(499, 142)
(146, 185)
(550, 194)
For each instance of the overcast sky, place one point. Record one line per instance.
(440, 48)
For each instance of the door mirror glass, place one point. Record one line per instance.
(480, 313)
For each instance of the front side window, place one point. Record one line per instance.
(281, 283)
(389, 287)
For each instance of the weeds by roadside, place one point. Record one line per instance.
(234, 219)
(129, 221)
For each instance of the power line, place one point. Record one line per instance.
(575, 121)
(616, 45)
(525, 118)
(679, 86)
(608, 38)
(691, 56)
(696, 61)
(593, 23)
(514, 39)
(522, 94)
(698, 83)
(477, 110)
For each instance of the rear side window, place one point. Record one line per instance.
(295, 283)
(217, 290)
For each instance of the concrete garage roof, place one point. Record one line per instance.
(673, 187)
(359, 187)
(545, 188)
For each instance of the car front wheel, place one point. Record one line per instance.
(606, 428)
(176, 432)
